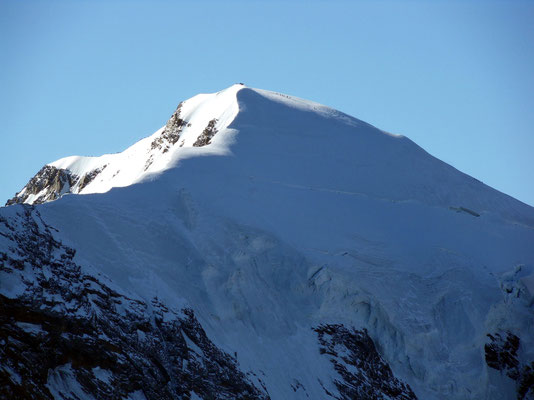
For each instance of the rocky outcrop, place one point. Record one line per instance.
(501, 353)
(363, 373)
(49, 184)
(169, 136)
(207, 134)
(171, 133)
(89, 177)
(65, 333)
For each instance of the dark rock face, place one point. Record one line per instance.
(206, 135)
(89, 177)
(56, 182)
(501, 353)
(53, 183)
(169, 136)
(525, 389)
(64, 332)
(171, 132)
(363, 372)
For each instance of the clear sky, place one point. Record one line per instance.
(93, 77)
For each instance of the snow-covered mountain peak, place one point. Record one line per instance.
(199, 126)
(264, 246)
(275, 137)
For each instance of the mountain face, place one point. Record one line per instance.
(260, 246)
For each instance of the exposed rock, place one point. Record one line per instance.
(49, 183)
(206, 135)
(62, 330)
(169, 136)
(525, 383)
(501, 353)
(171, 132)
(89, 177)
(364, 374)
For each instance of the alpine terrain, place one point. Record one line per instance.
(261, 246)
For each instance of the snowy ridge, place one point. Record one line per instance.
(208, 124)
(143, 159)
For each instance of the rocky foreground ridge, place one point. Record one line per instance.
(66, 334)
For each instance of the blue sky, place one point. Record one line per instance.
(93, 77)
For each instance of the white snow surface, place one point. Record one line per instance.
(129, 166)
(297, 215)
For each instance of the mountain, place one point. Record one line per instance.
(264, 246)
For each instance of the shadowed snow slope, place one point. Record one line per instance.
(292, 215)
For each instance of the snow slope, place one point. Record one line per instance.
(297, 215)
(147, 156)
